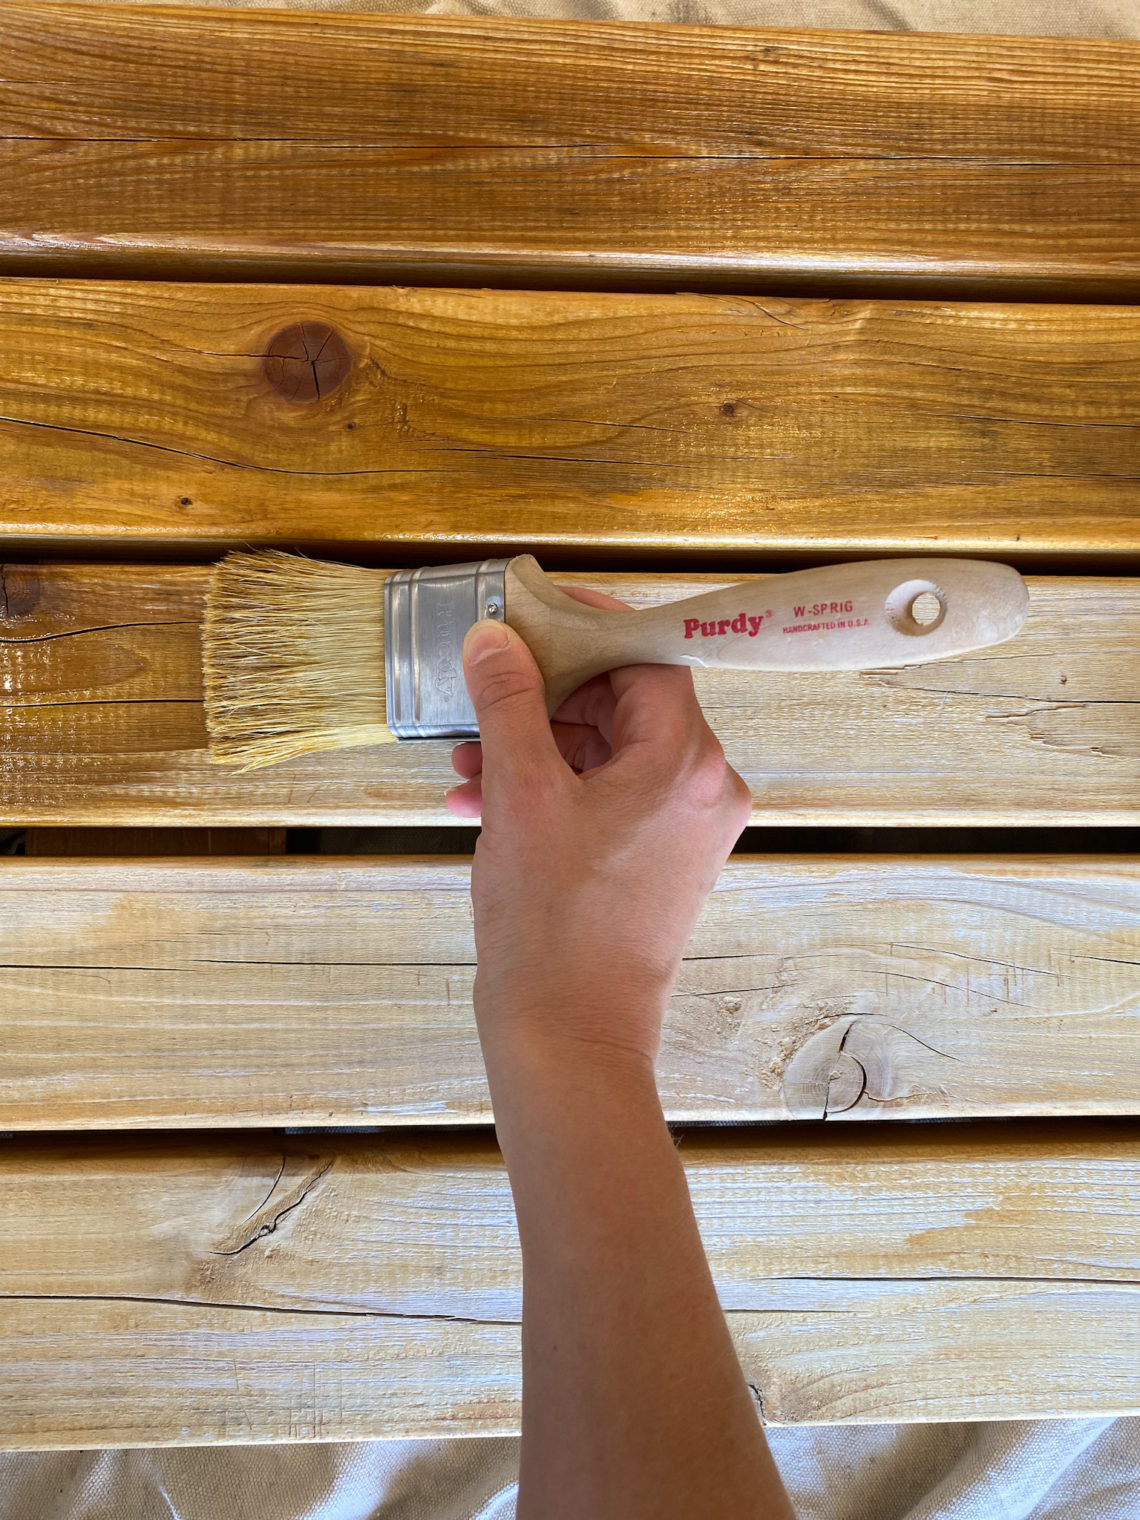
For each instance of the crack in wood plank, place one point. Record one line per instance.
(270, 1226)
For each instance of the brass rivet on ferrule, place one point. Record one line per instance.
(307, 361)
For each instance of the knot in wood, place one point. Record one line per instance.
(19, 592)
(306, 361)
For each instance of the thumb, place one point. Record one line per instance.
(509, 697)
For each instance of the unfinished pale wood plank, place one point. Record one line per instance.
(406, 1224)
(100, 670)
(148, 1374)
(545, 150)
(368, 1287)
(150, 414)
(318, 991)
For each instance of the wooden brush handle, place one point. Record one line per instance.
(837, 617)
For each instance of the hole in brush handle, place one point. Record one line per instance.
(916, 607)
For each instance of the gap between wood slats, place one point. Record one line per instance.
(395, 840)
(286, 1289)
(317, 990)
(24, 551)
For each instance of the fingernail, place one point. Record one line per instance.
(483, 638)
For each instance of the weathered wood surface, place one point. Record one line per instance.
(368, 1287)
(100, 697)
(338, 991)
(541, 151)
(154, 414)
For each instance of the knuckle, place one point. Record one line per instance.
(714, 785)
(741, 796)
(707, 770)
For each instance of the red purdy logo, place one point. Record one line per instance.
(743, 622)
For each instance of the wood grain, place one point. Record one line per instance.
(367, 1287)
(100, 696)
(544, 151)
(149, 414)
(338, 991)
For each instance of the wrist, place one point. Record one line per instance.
(541, 1054)
(566, 1026)
(554, 1100)
(527, 1052)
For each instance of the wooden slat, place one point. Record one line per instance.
(563, 150)
(318, 991)
(372, 1287)
(148, 414)
(102, 720)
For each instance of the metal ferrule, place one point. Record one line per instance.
(427, 612)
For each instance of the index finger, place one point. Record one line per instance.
(650, 703)
(656, 705)
(593, 702)
(594, 598)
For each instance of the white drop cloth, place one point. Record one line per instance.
(1019, 1470)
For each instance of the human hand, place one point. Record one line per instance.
(604, 830)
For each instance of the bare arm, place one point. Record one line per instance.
(602, 835)
(634, 1403)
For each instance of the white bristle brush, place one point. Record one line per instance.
(303, 654)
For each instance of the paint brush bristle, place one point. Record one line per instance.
(293, 657)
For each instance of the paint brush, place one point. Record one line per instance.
(303, 654)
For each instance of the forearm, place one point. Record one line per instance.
(634, 1404)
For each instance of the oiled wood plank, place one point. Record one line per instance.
(372, 1287)
(908, 86)
(154, 414)
(318, 991)
(100, 696)
(563, 150)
